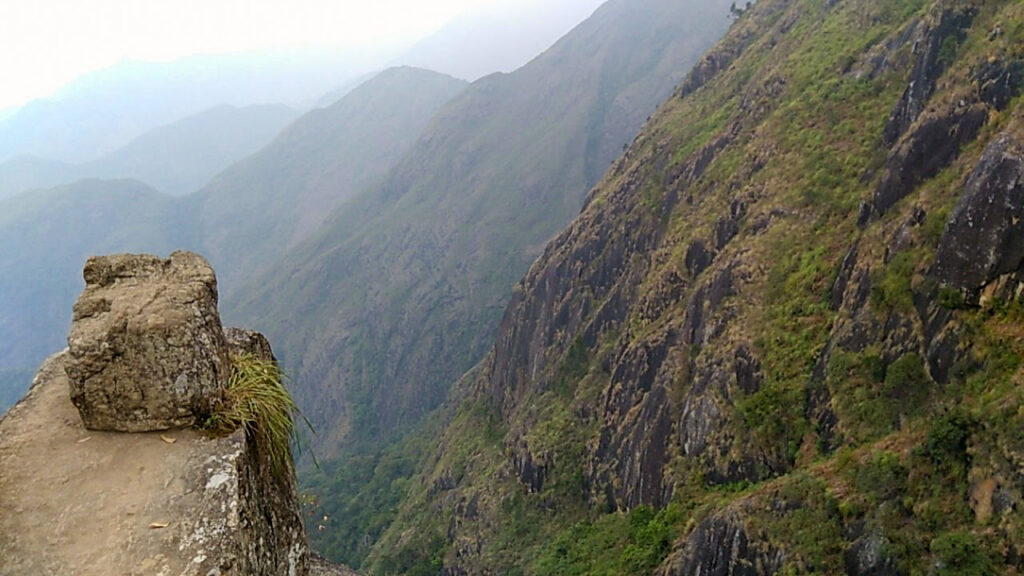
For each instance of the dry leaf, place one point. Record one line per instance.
(168, 439)
(159, 525)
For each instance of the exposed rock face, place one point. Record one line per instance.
(249, 342)
(720, 546)
(927, 148)
(984, 240)
(867, 557)
(933, 56)
(146, 348)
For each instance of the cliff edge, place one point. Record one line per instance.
(169, 500)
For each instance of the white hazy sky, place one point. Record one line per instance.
(44, 44)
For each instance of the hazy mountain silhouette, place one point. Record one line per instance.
(178, 158)
(243, 220)
(255, 210)
(104, 110)
(497, 38)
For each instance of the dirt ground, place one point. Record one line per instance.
(79, 503)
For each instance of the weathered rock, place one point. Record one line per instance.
(721, 546)
(999, 81)
(249, 342)
(147, 351)
(983, 239)
(932, 50)
(868, 557)
(928, 148)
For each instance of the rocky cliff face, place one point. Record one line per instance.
(79, 496)
(789, 319)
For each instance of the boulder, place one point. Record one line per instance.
(983, 239)
(249, 342)
(146, 347)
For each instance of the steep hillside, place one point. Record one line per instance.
(785, 333)
(176, 159)
(400, 292)
(253, 212)
(45, 237)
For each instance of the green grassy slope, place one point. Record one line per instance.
(784, 335)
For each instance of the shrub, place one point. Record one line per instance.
(960, 553)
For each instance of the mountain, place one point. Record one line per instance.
(176, 159)
(782, 337)
(401, 290)
(180, 158)
(46, 236)
(250, 214)
(104, 110)
(25, 173)
(243, 220)
(497, 37)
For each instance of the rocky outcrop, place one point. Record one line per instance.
(935, 49)
(928, 148)
(984, 240)
(147, 353)
(722, 546)
(146, 348)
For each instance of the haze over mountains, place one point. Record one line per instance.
(496, 37)
(312, 157)
(244, 219)
(105, 110)
(249, 215)
(176, 159)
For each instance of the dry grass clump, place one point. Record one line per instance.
(257, 400)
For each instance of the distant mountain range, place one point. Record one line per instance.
(177, 159)
(250, 214)
(105, 110)
(244, 219)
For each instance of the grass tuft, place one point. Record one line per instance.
(257, 400)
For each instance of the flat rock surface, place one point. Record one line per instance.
(75, 502)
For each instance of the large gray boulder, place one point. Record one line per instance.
(146, 347)
(984, 239)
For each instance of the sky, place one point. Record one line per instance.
(45, 44)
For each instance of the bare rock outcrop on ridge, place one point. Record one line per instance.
(146, 348)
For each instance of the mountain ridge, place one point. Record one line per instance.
(498, 171)
(757, 350)
(176, 158)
